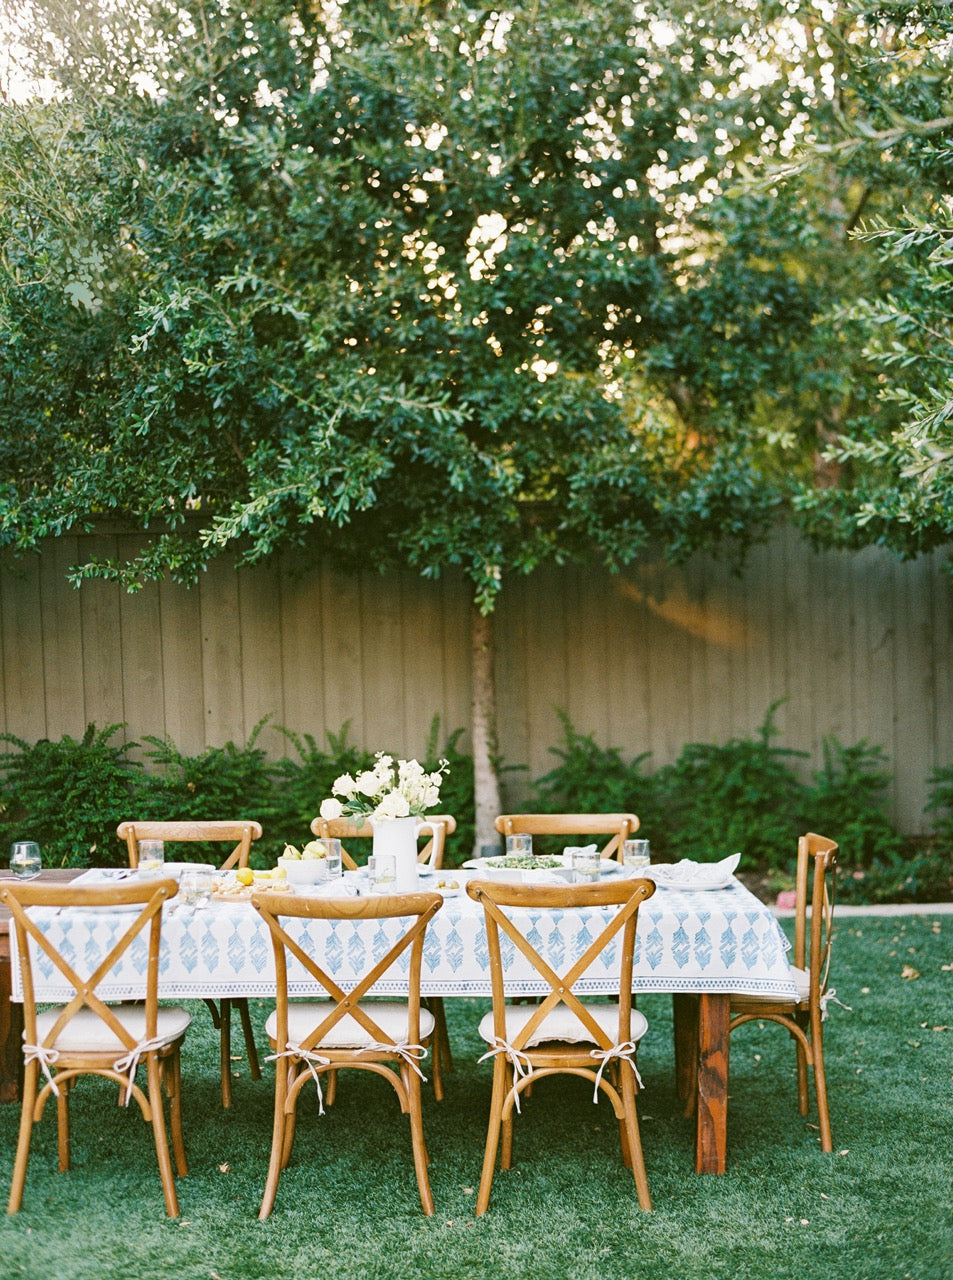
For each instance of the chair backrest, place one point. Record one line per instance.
(241, 833)
(816, 867)
(498, 896)
(342, 829)
(414, 909)
(620, 826)
(148, 895)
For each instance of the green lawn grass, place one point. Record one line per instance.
(877, 1209)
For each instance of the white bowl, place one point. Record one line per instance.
(304, 870)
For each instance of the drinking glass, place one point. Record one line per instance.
(635, 854)
(519, 846)
(151, 857)
(586, 864)
(383, 871)
(25, 860)
(333, 861)
(195, 889)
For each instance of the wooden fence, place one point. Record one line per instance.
(858, 645)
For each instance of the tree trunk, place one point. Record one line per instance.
(486, 783)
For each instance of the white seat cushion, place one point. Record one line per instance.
(390, 1016)
(803, 979)
(562, 1024)
(87, 1033)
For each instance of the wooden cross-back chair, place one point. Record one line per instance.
(87, 1036)
(430, 854)
(343, 829)
(561, 1035)
(313, 1037)
(804, 1020)
(619, 826)
(240, 834)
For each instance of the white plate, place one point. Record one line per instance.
(693, 875)
(555, 875)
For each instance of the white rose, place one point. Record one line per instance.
(393, 805)
(344, 786)
(331, 809)
(367, 783)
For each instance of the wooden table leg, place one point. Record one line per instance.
(11, 1033)
(711, 1121)
(685, 1029)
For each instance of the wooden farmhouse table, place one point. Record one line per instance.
(700, 946)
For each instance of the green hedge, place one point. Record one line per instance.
(743, 795)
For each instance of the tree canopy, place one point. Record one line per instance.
(416, 284)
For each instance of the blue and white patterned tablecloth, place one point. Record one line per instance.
(707, 941)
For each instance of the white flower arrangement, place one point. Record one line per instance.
(401, 789)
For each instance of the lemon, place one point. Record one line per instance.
(245, 875)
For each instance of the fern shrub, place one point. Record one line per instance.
(69, 795)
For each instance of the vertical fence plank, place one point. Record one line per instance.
(61, 648)
(24, 697)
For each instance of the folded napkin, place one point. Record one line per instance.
(694, 875)
(337, 888)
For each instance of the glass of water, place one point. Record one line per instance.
(25, 859)
(635, 854)
(151, 857)
(195, 888)
(519, 846)
(383, 872)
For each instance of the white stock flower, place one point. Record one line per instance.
(393, 805)
(331, 809)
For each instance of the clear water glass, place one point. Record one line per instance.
(635, 854)
(151, 857)
(25, 859)
(195, 888)
(586, 865)
(519, 846)
(382, 868)
(333, 860)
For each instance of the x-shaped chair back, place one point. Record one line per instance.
(431, 854)
(620, 826)
(218, 832)
(813, 949)
(240, 833)
(627, 895)
(418, 908)
(150, 895)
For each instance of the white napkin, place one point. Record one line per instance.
(336, 888)
(576, 848)
(696, 874)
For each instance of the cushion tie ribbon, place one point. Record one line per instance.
(624, 1052)
(129, 1062)
(46, 1057)
(522, 1067)
(309, 1057)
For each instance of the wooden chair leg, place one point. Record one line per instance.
(412, 1085)
(27, 1107)
(635, 1141)
(63, 1126)
(251, 1049)
(283, 1076)
(225, 1051)
(500, 1086)
(159, 1134)
(820, 1087)
(174, 1069)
